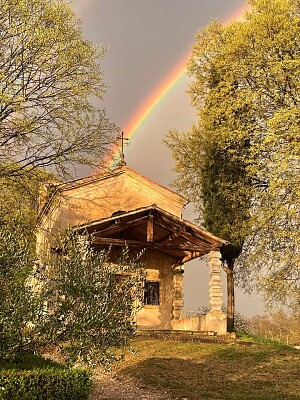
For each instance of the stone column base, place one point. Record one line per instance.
(177, 302)
(215, 321)
(211, 322)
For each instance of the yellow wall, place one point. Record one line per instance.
(98, 198)
(159, 269)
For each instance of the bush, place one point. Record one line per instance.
(279, 326)
(83, 302)
(19, 307)
(44, 384)
(91, 299)
(33, 378)
(241, 323)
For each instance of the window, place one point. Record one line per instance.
(151, 294)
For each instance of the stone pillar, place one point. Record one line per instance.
(215, 284)
(215, 320)
(177, 303)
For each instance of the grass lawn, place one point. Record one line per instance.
(200, 370)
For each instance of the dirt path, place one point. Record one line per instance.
(123, 388)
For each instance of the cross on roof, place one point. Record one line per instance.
(122, 156)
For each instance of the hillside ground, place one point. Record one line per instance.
(164, 368)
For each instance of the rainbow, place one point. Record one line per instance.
(152, 101)
(143, 112)
(155, 97)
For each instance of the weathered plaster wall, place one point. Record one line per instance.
(122, 192)
(195, 324)
(202, 323)
(125, 190)
(159, 269)
(99, 199)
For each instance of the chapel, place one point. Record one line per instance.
(123, 208)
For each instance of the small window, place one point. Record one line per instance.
(151, 294)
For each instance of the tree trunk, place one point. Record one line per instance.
(230, 296)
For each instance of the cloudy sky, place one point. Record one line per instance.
(148, 43)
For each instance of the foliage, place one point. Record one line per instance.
(28, 361)
(240, 163)
(18, 304)
(32, 377)
(211, 158)
(209, 171)
(91, 301)
(273, 61)
(19, 202)
(82, 302)
(51, 81)
(277, 326)
(241, 323)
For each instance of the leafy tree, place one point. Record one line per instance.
(240, 164)
(91, 301)
(219, 187)
(19, 202)
(20, 308)
(50, 82)
(18, 304)
(82, 302)
(211, 159)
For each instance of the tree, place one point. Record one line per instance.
(82, 302)
(19, 306)
(50, 82)
(218, 185)
(91, 301)
(211, 157)
(246, 91)
(19, 202)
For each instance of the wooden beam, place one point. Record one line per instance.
(147, 245)
(168, 238)
(193, 239)
(187, 236)
(195, 254)
(165, 223)
(150, 229)
(182, 232)
(181, 228)
(120, 226)
(190, 257)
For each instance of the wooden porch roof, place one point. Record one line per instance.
(153, 228)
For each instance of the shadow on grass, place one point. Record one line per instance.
(29, 361)
(227, 374)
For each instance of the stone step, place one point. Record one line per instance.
(172, 332)
(192, 336)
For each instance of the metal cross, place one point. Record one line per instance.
(122, 156)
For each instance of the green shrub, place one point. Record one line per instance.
(19, 306)
(48, 384)
(31, 377)
(91, 300)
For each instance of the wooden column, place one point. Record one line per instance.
(150, 229)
